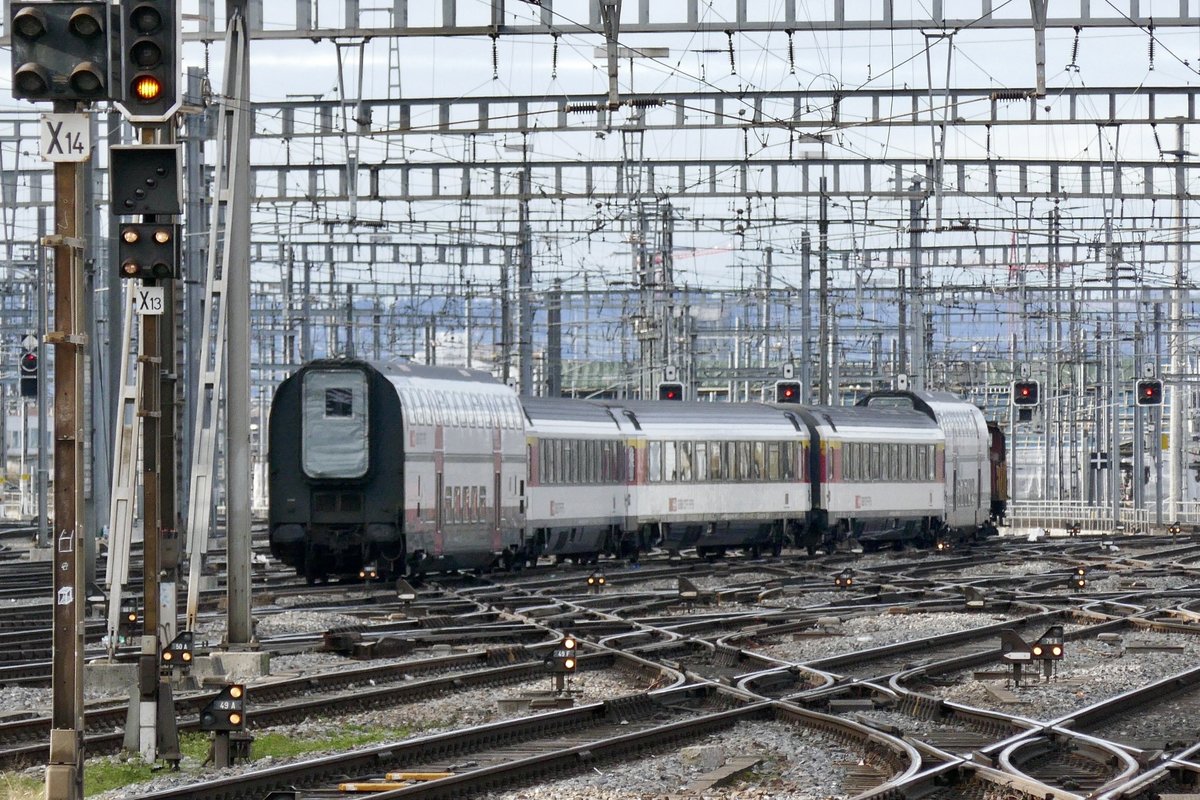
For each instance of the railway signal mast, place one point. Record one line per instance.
(146, 197)
(61, 55)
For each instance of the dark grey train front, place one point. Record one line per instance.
(401, 467)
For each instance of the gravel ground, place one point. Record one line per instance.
(431, 715)
(1123, 582)
(864, 633)
(1021, 568)
(1090, 672)
(910, 725)
(810, 599)
(798, 764)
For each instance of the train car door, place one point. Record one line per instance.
(442, 503)
(497, 510)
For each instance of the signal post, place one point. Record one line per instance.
(60, 55)
(145, 183)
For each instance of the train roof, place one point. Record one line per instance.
(864, 417)
(406, 370)
(562, 413)
(668, 413)
(402, 370)
(928, 403)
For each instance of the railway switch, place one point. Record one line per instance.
(179, 652)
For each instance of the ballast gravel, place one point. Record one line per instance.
(1091, 671)
(864, 633)
(797, 764)
(426, 716)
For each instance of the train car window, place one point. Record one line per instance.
(758, 463)
(601, 451)
(873, 471)
(727, 452)
(742, 461)
(787, 461)
(573, 458)
(654, 454)
(447, 504)
(701, 462)
(670, 463)
(685, 462)
(339, 403)
(593, 461)
(773, 461)
(483, 504)
(631, 472)
(419, 407)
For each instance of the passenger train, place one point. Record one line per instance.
(411, 469)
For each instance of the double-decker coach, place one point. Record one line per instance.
(403, 466)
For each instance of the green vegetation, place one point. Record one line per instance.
(16, 786)
(281, 745)
(113, 772)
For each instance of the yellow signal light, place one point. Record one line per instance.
(147, 88)
(569, 663)
(187, 656)
(1037, 649)
(1056, 650)
(235, 692)
(568, 644)
(235, 718)
(167, 656)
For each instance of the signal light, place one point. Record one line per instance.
(179, 652)
(670, 390)
(563, 658)
(148, 251)
(787, 392)
(226, 711)
(1025, 393)
(150, 60)
(1037, 651)
(28, 379)
(1149, 392)
(844, 579)
(60, 50)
